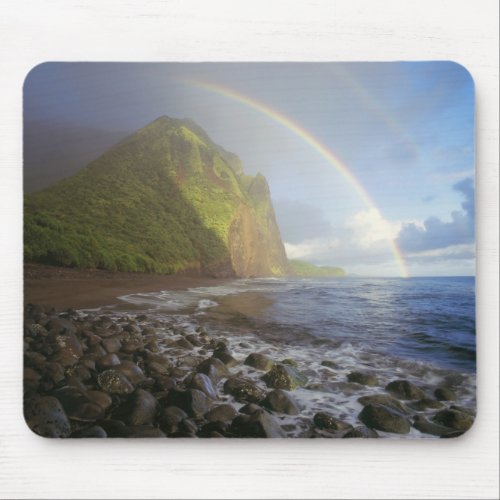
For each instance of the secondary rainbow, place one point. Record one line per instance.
(306, 136)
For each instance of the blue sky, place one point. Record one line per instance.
(404, 130)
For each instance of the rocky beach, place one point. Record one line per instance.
(119, 373)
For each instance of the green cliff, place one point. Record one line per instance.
(305, 269)
(166, 199)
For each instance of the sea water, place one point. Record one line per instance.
(418, 329)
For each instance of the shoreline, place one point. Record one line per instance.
(64, 288)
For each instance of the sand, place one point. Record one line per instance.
(79, 289)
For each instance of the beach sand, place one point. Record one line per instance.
(75, 288)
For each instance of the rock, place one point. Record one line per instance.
(132, 342)
(424, 404)
(214, 368)
(61, 326)
(194, 340)
(250, 408)
(423, 425)
(257, 425)
(444, 394)
(244, 390)
(203, 383)
(96, 431)
(259, 361)
(188, 426)
(454, 419)
(114, 428)
(55, 372)
(144, 432)
(290, 361)
(183, 343)
(194, 402)
(131, 371)
(68, 348)
(330, 423)
(226, 358)
(114, 382)
(281, 402)
(330, 364)
(405, 390)
(107, 361)
(362, 378)
(384, 419)
(463, 410)
(360, 432)
(170, 417)
(221, 413)
(46, 417)
(96, 351)
(284, 377)
(214, 429)
(100, 398)
(384, 400)
(112, 344)
(141, 408)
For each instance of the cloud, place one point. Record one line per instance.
(369, 227)
(454, 252)
(435, 233)
(312, 249)
(300, 221)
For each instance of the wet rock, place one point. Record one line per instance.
(134, 374)
(424, 404)
(188, 426)
(384, 400)
(96, 351)
(68, 348)
(214, 429)
(132, 342)
(279, 401)
(96, 431)
(423, 425)
(284, 377)
(257, 425)
(360, 432)
(250, 408)
(362, 378)
(158, 363)
(170, 417)
(107, 361)
(226, 358)
(405, 390)
(384, 419)
(259, 361)
(469, 411)
(55, 372)
(77, 405)
(203, 383)
(183, 343)
(456, 420)
(194, 340)
(444, 394)
(31, 378)
(35, 360)
(330, 423)
(46, 417)
(114, 382)
(61, 326)
(214, 368)
(112, 344)
(244, 390)
(221, 413)
(114, 428)
(330, 364)
(144, 432)
(142, 408)
(290, 361)
(194, 402)
(100, 398)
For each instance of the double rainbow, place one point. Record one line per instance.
(320, 148)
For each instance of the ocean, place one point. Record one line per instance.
(418, 329)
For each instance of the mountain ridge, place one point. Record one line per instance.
(164, 199)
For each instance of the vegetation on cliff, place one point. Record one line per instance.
(305, 269)
(165, 199)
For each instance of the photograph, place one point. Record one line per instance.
(249, 250)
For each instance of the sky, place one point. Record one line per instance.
(370, 165)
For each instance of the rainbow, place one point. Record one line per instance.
(307, 137)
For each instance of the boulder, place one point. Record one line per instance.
(107, 361)
(194, 402)
(405, 390)
(226, 358)
(329, 364)
(384, 400)
(214, 368)
(279, 401)
(259, 361)
(424, 404)
(329, 422)
(112, 344)
(444, 394)
(131, 371)
(423, 425)
(221, 413)
(141, 408)
(362, 378)
(284, 377)
(203, 383)
(360, 432)
(384, 419)
(46, 417)
(257, 425)
(456, 420)
(95, 431)
(114, 382)
(244, 390)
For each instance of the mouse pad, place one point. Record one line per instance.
(249, 250)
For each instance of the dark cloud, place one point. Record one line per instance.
(438, 234)
(300, 221)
